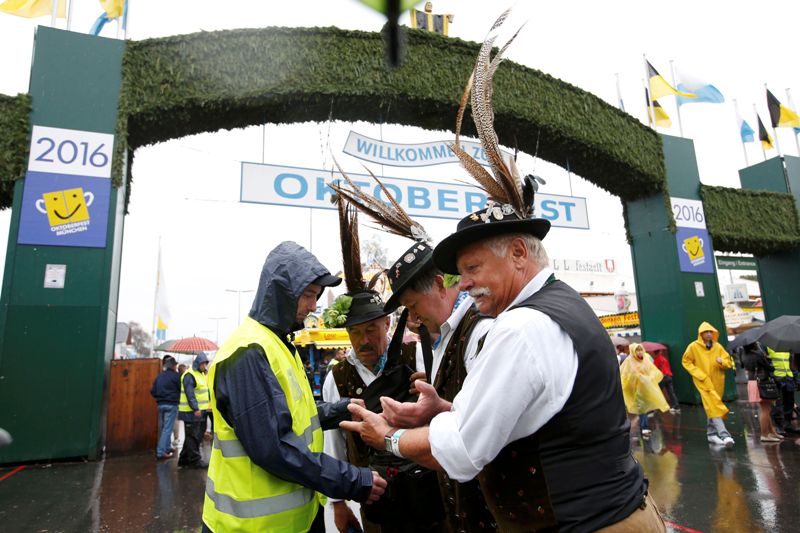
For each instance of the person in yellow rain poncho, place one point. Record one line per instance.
(640, 379)
(706, 360)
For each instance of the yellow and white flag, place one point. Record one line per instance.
(163, 317)
(33, 8)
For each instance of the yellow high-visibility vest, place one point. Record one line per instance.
(780, 360)
(240, 495)
(200, 392)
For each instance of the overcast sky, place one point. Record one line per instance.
(186, 191)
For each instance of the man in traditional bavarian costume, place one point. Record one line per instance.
(267, 470)
(540, 419)
(361, 311)
(432, 299)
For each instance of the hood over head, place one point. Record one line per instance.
(199, 360)
(705, 326)
(288, 270)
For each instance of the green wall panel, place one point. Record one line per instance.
(669, 308)
(56, 344)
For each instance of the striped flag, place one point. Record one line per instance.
(162, 314)
(661, 117)
(703, 90)
(745, 131)
(764, 136)
(659, 86)
(779, 114)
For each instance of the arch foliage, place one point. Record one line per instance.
(207, 81)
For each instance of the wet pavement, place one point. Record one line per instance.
(700, 487)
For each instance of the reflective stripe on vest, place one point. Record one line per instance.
(780, 360)
(261, 506)
(240, 495)
(201, 393)
(234, 448)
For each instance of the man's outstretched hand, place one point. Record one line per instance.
(371, 426)
(416, 414)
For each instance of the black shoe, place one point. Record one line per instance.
(201, 465)
(791, 431)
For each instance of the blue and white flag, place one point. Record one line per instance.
(691, 84)
(746, 132)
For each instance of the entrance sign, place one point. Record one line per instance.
(411, 155)
(304, 187)
(67, 188)
(732, 262)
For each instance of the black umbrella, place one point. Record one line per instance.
(744, 338)
(781, 334)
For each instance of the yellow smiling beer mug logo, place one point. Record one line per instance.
(693, 246)
(65, 207)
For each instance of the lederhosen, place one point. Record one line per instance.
(576, 473)
(464, 505)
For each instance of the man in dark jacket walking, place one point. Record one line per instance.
(166, 390)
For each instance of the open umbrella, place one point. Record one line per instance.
(165, 346)
(652, 347)
(193, 345)
(620, 341)
(743, 339)
(781, 334)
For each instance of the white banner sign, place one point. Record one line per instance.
(305, 187)
(688, 213)
(411, 155)
(74, 152)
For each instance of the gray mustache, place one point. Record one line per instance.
(367, 347)
(480, 291)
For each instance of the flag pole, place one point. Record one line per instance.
(54, 14)
(677, 103)
(758, 121)
(791, 106)
(126, 7)
(155, 295)
(744, 148)
(69, 15)
(651, 113)
(774, 128)
(619, 93)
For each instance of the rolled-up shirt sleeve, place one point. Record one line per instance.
(518, 382)
(251, 400)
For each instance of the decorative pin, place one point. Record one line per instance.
(359, 390)
(409, 258)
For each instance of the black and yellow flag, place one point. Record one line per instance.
(661, 117)
(763, 136)
(781, 115)
(659, 86)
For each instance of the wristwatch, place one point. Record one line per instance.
(391, 441)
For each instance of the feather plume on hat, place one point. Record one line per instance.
(392, 218)
(504, 184)
(351, 247)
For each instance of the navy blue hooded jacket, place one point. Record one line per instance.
(251, 400)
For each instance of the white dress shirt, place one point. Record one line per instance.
(522, 378)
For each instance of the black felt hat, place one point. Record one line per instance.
(490, 222)
(403, 271)
(365, 306)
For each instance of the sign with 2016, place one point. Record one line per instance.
(306, 187)
(67, 188)
(694, 242)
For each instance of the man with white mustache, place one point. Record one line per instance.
(540, 419)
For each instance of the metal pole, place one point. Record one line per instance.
(126, 9)
(54, 14)
(677, 103)
(619, 94)
(69, 15)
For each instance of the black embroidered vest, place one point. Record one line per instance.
(576, 473)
